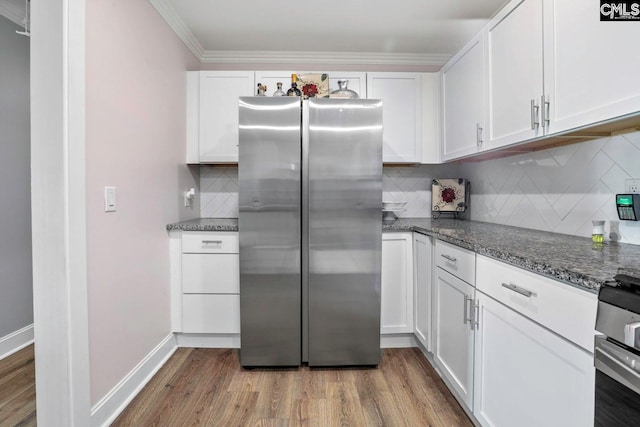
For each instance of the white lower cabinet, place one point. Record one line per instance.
(397, 283)
(211, 313)
(422, 272)
(454, 334)
(525, 375)
(210, 284)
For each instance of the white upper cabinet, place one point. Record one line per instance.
(431, 129)
(591, 67)
(401, 94)
(212, 114)
(357, 80)
(463, 101)
(514, 74)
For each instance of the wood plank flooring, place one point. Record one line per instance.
(208, 387)
(18, 389)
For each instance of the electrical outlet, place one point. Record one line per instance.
(632, 185)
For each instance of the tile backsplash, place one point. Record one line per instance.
(559, 189)
(219, 188)
(218, 192)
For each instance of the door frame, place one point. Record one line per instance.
(58, 198)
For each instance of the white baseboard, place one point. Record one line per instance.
(110, 406)
(398, 341)
(16, 341)
(208, 340)
(233, 340)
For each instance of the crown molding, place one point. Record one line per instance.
(349, 58)
(12, 11)
(168, 12)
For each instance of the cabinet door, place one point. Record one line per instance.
(401, 94)
(422, 250)
(591, 67)
(397, 284)
(219, 93)
(514, 58)
(454, 334)
(211, 314)
(527, 375)
(463, 101)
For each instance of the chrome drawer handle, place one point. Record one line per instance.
(448, 257)
(212, 242)
(522, 291)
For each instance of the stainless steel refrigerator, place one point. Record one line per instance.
(310, 197)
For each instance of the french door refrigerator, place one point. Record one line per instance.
(310, 198)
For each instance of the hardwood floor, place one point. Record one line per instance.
(208, 387)
(18, 389)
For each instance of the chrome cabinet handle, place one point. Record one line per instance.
(545, 111)
(467, 311)
(476, 314)
(534, 115)
(522, 291)
(478, 135)
(211, 242)
(448, 257)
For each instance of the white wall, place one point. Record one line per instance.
(560, 189)
(16, 290)
(136, 142)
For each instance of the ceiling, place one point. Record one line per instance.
(13, 10)
(417, 32)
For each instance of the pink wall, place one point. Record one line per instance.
(135, 142)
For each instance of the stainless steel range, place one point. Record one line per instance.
(617, 352)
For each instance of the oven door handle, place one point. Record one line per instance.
(610, 360)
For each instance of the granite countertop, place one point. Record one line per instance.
(206, 224)
(571, 259)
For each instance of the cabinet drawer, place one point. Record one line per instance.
(210, 273)
(213, 314)
(210, 242)
(568, 311)
(456, 260)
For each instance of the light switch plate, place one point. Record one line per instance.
(109, 199)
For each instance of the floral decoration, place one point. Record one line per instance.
(310, 90)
